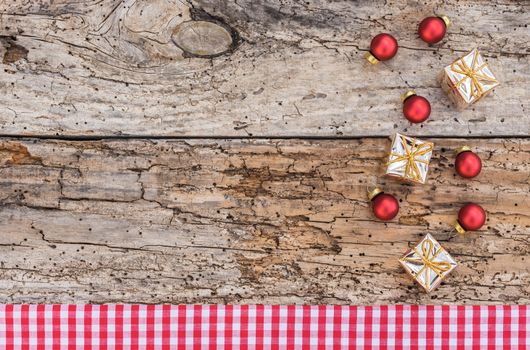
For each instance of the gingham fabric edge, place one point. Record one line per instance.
(201, 327)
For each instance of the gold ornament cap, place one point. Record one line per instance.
(445, 19)
(459, 228)
(407, 95)
(371, 58)
(462, 149)
(374, 192)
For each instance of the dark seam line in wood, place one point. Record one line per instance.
(229, 137)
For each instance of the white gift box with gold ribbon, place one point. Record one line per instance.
(468, 79)
(428, 263)
(409, 158)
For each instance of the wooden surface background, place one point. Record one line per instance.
(220, 151)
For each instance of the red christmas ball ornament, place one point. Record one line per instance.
(471, 217)
(385, 206)
(383, 47)
(467, 163)
(432, 29)
(415, 108)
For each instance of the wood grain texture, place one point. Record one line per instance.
(265, 221)
(295, 68)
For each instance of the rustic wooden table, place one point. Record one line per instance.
(220, 151)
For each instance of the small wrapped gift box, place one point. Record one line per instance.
(409, 158)
(428, 263)
(468, 79)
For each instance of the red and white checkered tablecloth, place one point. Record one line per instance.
(262, 327)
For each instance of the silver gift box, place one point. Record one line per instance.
(409, 158)
(428, 263)
(468, 79)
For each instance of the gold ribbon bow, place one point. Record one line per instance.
(473, 73)
(426, 257)
(411, 168)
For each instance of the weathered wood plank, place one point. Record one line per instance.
(294, 68)
(268, 221)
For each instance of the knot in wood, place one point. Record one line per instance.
(202, 38)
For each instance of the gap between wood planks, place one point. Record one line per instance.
(231, 137)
